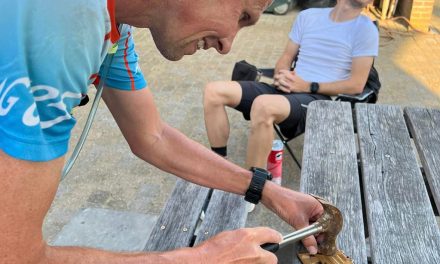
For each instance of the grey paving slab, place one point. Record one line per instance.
(107, 229)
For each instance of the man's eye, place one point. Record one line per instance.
(245, 17)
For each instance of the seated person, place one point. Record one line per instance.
(334, 47)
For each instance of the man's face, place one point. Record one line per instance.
(360, 3)
(188, 25)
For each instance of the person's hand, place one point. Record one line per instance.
(239, 246)
(297, 209)
(288, 82)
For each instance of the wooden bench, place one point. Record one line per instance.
(381, 191)
(180, 225)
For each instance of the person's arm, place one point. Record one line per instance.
(354, 85)
(165, 147)
(26, 193)
(287, 58)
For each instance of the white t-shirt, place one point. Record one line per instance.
(326, 48)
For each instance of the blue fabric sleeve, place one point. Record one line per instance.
(124, 72)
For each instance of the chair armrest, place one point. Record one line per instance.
(267, 72)
(355, 97)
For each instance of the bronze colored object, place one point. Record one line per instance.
(338, 258)
(329, 224)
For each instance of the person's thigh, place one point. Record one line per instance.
(26, 193)
(224, 92)
(249, 91)
(295, 123)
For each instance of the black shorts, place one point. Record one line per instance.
(295, 123)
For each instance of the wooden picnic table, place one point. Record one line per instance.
(372, 175)
(376, 177)
(180, 222)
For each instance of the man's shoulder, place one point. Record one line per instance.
(315, 11)
(366, 24)
(365, 19)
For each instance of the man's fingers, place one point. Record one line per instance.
(284, 86)
(286, 72)
(311, 245)
(290, 77)
(284, 89)
(266, 235)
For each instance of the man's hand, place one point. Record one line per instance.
(297, 209)
(288, 82)
(239, 246)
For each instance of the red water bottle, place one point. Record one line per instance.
(275, 161)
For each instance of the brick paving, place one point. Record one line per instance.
(108, 176)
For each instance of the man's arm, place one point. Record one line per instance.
(26, 193)
(163, 146)
(354, 85)
(288, 57)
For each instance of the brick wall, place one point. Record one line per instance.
(418, 12)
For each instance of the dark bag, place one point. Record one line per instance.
(373, 83)
(243, 71)
(370, 93)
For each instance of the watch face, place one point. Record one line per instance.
(314, 87)
(262, 171)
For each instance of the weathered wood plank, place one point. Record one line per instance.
(425, 128)
(177, 221)
(330, 169)
(226, 211)
(402, 226)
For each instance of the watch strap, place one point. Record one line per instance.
(255, 190)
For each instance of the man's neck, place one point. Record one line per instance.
(134, 12)
(344, 11)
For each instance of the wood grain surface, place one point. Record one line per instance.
(402, 226)
(330, 170)
(424, 125)
(177, 222)
(226, 211)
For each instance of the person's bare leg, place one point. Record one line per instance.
(266, 110)
(217, 95)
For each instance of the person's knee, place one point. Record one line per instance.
(218, 94)
(212, 94)
(263, 111)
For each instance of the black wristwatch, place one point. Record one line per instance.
(314, 87)
(255, 190)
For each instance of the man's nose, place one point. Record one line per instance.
(224, 44)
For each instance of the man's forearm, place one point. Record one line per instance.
(341, 87)
(183, 157)
(74, 255)
(284, 63)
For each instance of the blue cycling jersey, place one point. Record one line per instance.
(51, 51)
